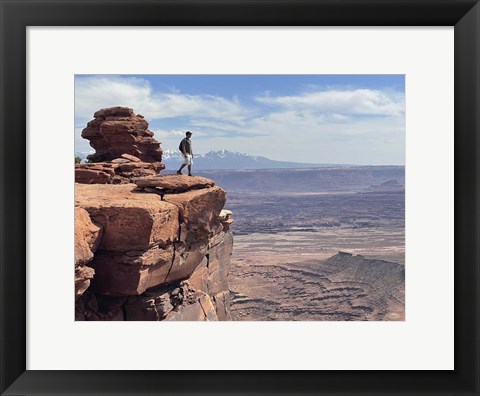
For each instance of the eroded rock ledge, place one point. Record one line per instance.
(159, 256)
(118, 171)
(147, 246)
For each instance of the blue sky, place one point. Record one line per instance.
(356, 119)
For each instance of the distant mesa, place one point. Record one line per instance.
(387, 186)
(391, 183)
(117, 130)
(343, 287)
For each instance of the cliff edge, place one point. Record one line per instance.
(147, 246)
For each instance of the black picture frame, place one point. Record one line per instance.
(16, 15)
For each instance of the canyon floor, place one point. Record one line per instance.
(286, 263)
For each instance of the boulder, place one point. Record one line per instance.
(117, 131)
(130, 167)
(130, 221)
(120, 161)
(131, 157)
(94, 173)
(115, 112)
(225, 214)
(118, 171)
(175, 183)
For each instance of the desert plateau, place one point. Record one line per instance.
(331, 248)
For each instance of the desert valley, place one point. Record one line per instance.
(317, 244)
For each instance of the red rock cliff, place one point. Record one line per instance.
(156, 247)
(116, 131)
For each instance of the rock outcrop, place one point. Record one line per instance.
(125, 148)
(161, 256)
(116, 131)
(158, 247)
(87, 237)
(118, 171)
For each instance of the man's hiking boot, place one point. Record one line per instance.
(190, 174)
(179, 173)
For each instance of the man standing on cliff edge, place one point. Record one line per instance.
(186, 149)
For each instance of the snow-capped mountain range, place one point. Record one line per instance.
(225, 159)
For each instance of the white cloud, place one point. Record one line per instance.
(175, 133)
(358, 101)
(96, 92)
(217, 124)
(333, 125)
(310, 136)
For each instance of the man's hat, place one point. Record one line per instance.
(188, 133)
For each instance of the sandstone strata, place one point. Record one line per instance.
(87, 237)
(158, 247)
(118, 171)
(173, 183)
(116, 131)
(154, 250)
(125, 148)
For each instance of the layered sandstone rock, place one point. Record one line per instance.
(154, 244)
(101, 173)
(116, 131)
(173, 302)
(173, 183)
(118, 171)
(202, 309)
(87, 237)
(130, 221)
(124, 148)
(164, 252)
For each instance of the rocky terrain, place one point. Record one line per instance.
(316, 212)
(286, 263)
(147, 246)
(343, 287)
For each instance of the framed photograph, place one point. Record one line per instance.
(368, 114)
